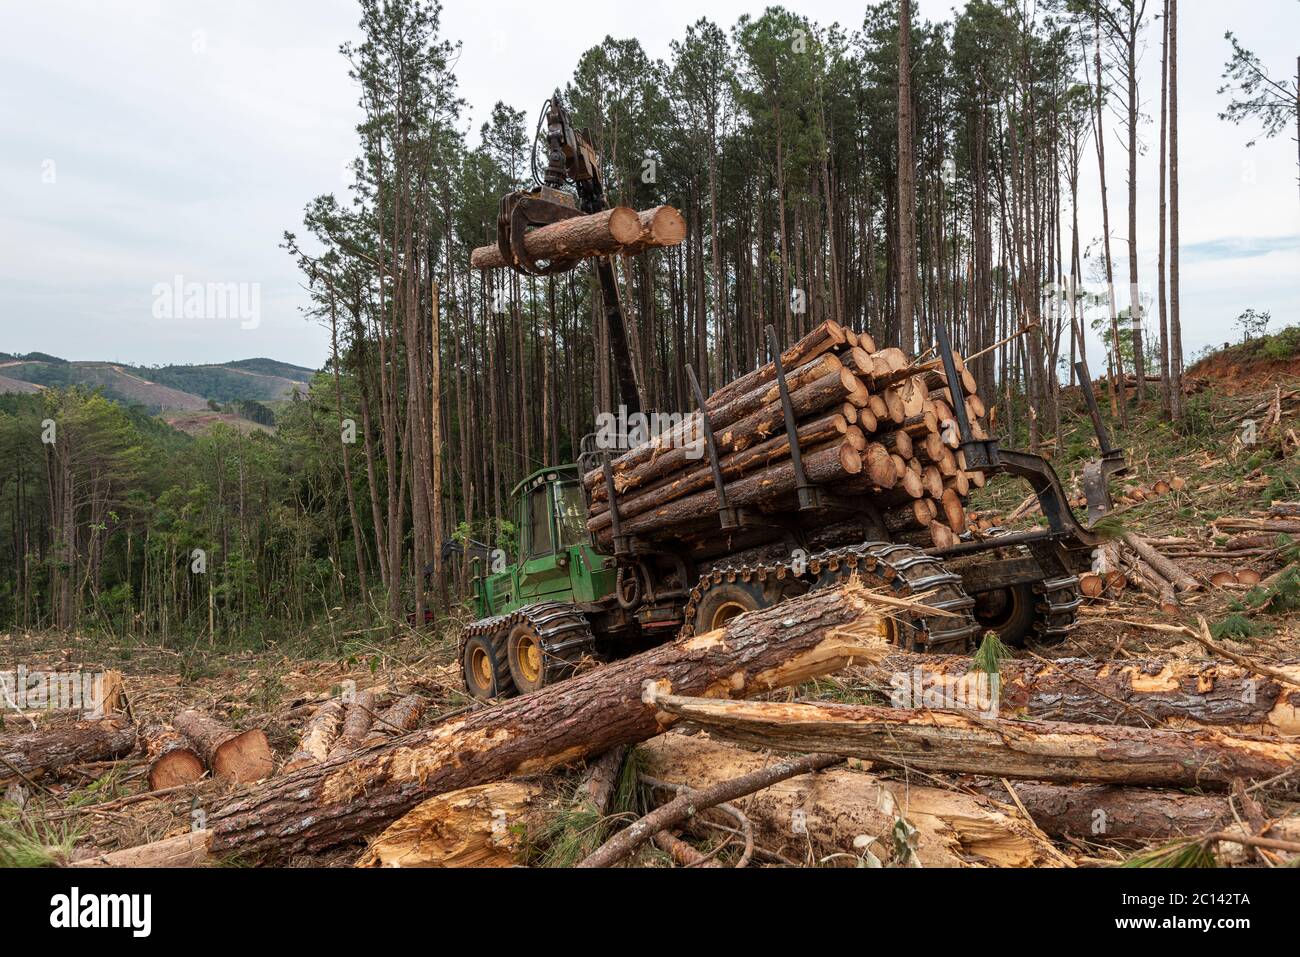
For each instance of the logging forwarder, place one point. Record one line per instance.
(569, 597)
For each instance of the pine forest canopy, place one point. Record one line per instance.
(779, 140)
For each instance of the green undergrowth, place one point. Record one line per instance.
(574, 829)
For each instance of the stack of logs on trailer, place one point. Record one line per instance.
(874, 426)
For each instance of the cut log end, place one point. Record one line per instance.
(245, 758)
(175, 768)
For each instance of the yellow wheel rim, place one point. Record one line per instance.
(480, 667)
(725, 612)
(528, 652)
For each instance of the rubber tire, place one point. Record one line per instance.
(503, 685)
(517, 677)
(749, 595)
(1016, 626)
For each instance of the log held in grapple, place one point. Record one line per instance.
(609, 232)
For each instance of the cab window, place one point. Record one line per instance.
(540, 542)
(570, 514)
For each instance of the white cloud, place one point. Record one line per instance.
(187, 136)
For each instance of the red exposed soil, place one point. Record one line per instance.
(1232, 373)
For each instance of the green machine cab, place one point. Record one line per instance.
(556, 603)
(556, 561)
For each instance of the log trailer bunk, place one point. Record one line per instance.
(565, 601)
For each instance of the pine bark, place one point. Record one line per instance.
(597, 234)
(77, 743)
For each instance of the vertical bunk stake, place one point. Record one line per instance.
(727, 517)
(810, 496)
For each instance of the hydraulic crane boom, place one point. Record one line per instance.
(571, 161)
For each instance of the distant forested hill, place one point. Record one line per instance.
(172, 387)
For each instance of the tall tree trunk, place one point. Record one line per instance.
(1160, 264)
(1175, 322)
(1135, 302)
(906, 185)
(1117, 394)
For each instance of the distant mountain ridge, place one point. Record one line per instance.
(159, 388)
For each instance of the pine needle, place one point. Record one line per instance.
(1109, 527)
(22, 845)
(992, 652)
(1180, 854)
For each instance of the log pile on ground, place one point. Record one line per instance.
(871, 423)
(238, 756)
(792, 737)
(1231, 552)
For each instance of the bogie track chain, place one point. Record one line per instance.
(1056, 608)
(903, 569)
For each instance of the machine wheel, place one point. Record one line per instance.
(526, 657)
(903, 570)
(484, 669)
(725, 601)
(545, 643)
(1043, 612)
(1007, 611)
(1056, 609)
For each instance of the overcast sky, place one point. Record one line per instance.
(147, 141)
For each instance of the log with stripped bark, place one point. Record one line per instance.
(966, 743)
(357, 719)
(814, 816)
(481, 826)
(318, 736)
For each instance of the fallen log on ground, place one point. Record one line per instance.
(29, 754)
(1137, 692)
(821, 814)
(172, 760)
(681, 852)
(1116, 814)
(597, 234)
(318, 736)
(239, 756)
(183, 850)
(347, 798)
(600, 780)
(486, 825)
(1167, 569)
(358, 718)
(961, 743)
(399, 718)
